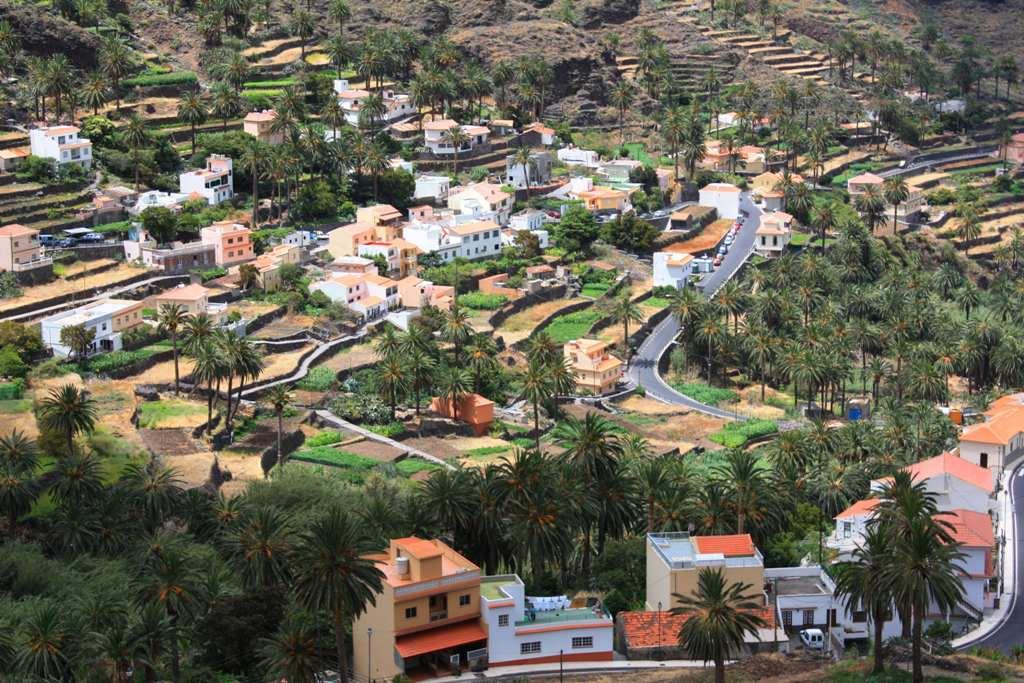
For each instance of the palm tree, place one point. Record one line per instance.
(822, 217)
(870, 204)
(537, 388)
(482, 354)
(455, 138)
(136, 136)
(46, 640)
(339, 11)
(293, 652)
(719, 615)
(375, 161)
(391, 381)
(857, 581)
(622, 97)
(624, 310)
(279, 397)
(115, 61)
(302, 25)
(192, 110)
(523, 158)
(224, 103)
(421, 374)
(452, 386)
(254, 158)
(456, 330)
(94, 93)
(69, 411)
(748, 485)
(333, 573)
(172, 584)
(895, 191)
(210, 367)
(968, 227)
(171, 319)
(155, 491)
(259, 547)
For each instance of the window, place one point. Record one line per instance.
(531, 648)
(463, 600)
(502, 620)
(860, 616)
(583, 642)
(808, 617)
(983, 461)
(847, 529)
(787, 617)
(410, 612)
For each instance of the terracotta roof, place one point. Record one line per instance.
(1000, 429)
(260, 116)
(473, 227)
(370, 301)
(505, 123)
(544, 268)
(608, 363)
(16, 230)
(676, 259)
(492, 192)
(949, 463)
(353, 94)
(380, 280)
(730, 545)
(587, 344)
(60, 130)
(603, 192)
(350, 279)
(866, 178)
(661, 629)
(15, 153)
(187, 293)
(720, 187)
(442, 124)
(442, 638)
(970, 529)
(861, 507)
(418, 547)
(476, 130)
(540, 128)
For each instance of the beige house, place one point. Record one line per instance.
(259, 124)
(674, 560)
(194, 299)
(773, 234)
(427, 613)
(268, 265)
(597, 371)
(378, 223)
(19, 248)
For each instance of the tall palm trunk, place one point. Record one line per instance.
(339, 645)
(174, 346)
(280, 429)
(879, 619)
(916, 644)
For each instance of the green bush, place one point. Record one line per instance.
(155, 79)
(709, 395)
(482, 302)
(572, 325)
(411, 466)
(735, 434)
(595, 289)
(390, 430)
(279, 83)
(323, 439)
(12, 390)
(116, 360)
(210, 273)
(318, 379)
(355, 468)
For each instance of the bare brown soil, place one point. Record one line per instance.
(706, 239)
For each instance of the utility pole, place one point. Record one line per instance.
(560, 667)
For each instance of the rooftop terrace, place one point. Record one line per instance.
(491, 587)
(562, 615)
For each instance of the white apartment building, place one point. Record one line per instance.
(167, 200)
(432, 187)
(62, 144)
(724, 197)
(574, 156)
(351, 100)
(482, 200)
(534, 630)
(471, 240)
(213, 183)
(436, 140)
(107, 318)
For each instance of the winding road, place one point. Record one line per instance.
(643, 369)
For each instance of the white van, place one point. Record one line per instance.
(812, 638)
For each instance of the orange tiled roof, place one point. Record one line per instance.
(1004, 424)
(866, 178)
(949, 463)
(721, 187)
(730, 545)
(442, 638)
(16, 230)
(418, 547)
(970, 529)
(187, 293)
(859, 508)
(661, 629)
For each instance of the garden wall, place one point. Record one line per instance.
(519, 305)
(89, 293)
(571, 308)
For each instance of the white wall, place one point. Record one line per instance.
(670, 276)
(727, 203)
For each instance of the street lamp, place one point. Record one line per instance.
(369, 654)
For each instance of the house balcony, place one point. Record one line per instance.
(39, 262)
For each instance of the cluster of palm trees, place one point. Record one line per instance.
(220, 358)
(908, 560)
(852, 320)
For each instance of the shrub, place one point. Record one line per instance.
(411, 466)
(390, 430)
(483, 451)
(11, 364)
(355, 467)
(735, 434)
(155, 79)
(210, 273)
(572, 325)
(116, 360)
(12, 390)
(595, 289)
(706, 394)
(318, 379)
(482, 301)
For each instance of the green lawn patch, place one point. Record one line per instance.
(658, 302)
(317, 379)
(487, 451)
(482, 302)
(705, 393)
(353, 468)
(736, 434)
(325, 438)
(572, 325)
(638, 152)
(115, 360)
(390, 430)
(154, 414)
(263, 85)
(260, 93)
(595, 289)
(15, 405)
(153, 79)
(117, 226)
(411, 466)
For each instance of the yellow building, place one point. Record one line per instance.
(675, 559)
(427, 616)
(596, 370)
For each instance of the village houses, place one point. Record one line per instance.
(62, 144)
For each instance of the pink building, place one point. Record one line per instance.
(231, 241)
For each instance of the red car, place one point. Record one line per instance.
(717, 262)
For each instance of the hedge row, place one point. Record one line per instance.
(152, 80)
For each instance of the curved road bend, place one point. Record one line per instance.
(643, 369)
(1010, 631)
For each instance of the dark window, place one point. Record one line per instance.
(463, 600)
(860, 616)
(410, 612)
(984, 460)
(502, 620)
(808, 617)
(787, 617)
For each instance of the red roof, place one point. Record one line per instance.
(439, 639)
(859, 508)
(948, 463)
(735, 545)
(970, 529)
(661, 629)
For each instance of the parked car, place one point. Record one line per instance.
(723, 250)
(65, 243)
(92, 237)
(728, 240)
(812, 638)
(717, 262)
(47, 240)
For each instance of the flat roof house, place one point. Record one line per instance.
(108, 318)
(62, 144)
(473, 409)
(352, 102)
(432, 187)
(597, 371)
(436, 140)
(213, 183)
(232, 242)
(481, 199)
(537, 171)
(675, 558)
(724, 197)
(426, 617)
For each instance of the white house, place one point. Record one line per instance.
(167, 200)
(351, 290)
(955, 482)
(436, 140)
(537, 171)
(534, 630)
(107, 318)
(724, 197)
(531, 220)
(992, 444)
(62, 144)
(481, 199)
(213, 183)
(471, 240)
(352, 101)
(851, 526)
(579, 157)
(672, 269)
(432, 187)
(773, 234)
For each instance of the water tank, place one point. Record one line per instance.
(402, 566)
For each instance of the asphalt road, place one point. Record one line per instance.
(961, 155)
(643, 369)
(1010, 631)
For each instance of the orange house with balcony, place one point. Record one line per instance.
(597, 371)
(426, 619)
